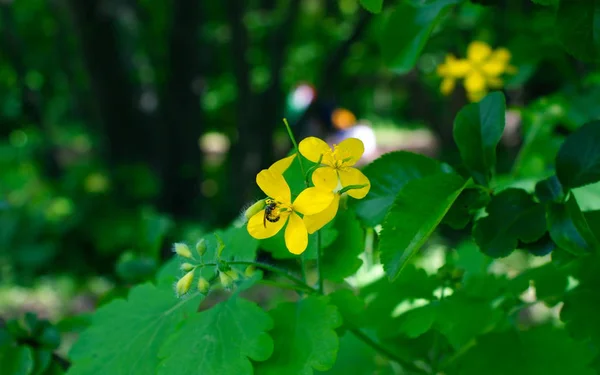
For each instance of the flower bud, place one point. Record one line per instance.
(225, 279)
(186, 267)
(183, 250)
(184, 284)
(254, 209)
(233, 274)
(220, 245)
(201, 247)
(203, 285)
(249, 271)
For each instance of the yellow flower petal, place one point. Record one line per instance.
(459, 68)
(258, 230)
(478, 51)
(493, 68)
(352, 176)
(475, 82)
(312, 148)
(501, 55)
(273, 184)
(350, 150)
(296, 236)
(447, 86)
(282, 165)
(312, 200)
(325, 178)
(317, 221)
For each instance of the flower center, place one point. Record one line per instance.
(339, 157)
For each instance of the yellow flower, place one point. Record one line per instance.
(481, 70)
(451, 70)
(336, 164)
(280, 210)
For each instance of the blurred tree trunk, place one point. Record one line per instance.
(113, 90)
(181, 98)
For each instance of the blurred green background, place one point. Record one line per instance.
(127, 125)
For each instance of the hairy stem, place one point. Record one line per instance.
(320, 281)
(291, 134)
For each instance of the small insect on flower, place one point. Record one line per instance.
(272, 212)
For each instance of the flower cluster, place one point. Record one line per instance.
(332, 176)
(481, 70)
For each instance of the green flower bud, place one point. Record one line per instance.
(254, 209)
(184, 284)
(186, 267)
(249, 271)
(183, 250)
(225, 279)
(203, 285)
(233, 274)
(201, 247)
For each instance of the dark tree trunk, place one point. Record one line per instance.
(183, 128)
(253, 146)
(111, 84)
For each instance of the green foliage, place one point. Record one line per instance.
(373, 6)
(304, 337)
(541, 350)
(577, 28)
(417, 211)
(569, 229)
(231, 333)
(407, 29)
(16, 360)
(578, 160)
(139, 325)
(477, 131)
(388, 175)
(513, 216)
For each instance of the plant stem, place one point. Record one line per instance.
(289, 130)
(320, 281)
(267, 267)
(367, 340)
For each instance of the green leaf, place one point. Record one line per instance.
(549, 190)
(383, 296)
(468, 203)
(417, 321)
(578, 160)
(542, 350)
(276, 244)
(373, 6)
(388, 174)
(355, 357)
(125, 336)
(350, 307)
(478, 128)
(16, 360)
(406, 31)
(578, 28)
(513, 216)
(417, 211)
(221, 340)
(304, 336)
(569, 229)
(547, 2)
(340, 259)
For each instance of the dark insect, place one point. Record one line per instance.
(269, 212)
